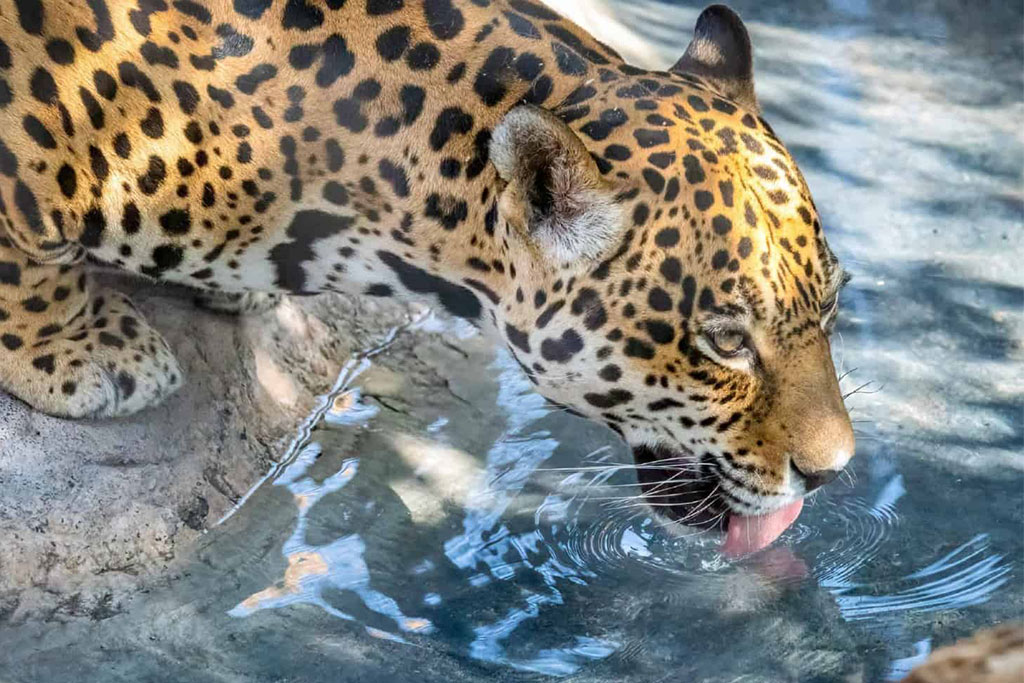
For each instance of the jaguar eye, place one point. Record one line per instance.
(727, 342)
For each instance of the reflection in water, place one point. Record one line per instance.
(355, 366)
(487, 545)
(577, 534)
(487, 550)
(339, 565)
(899, 668)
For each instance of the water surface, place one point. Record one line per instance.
(469, 534)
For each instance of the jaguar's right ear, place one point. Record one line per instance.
(720, 52)
(555, 193)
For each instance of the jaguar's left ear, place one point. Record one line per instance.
(555, 193)
(720, 52)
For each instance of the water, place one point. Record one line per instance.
(471, 533)
(546, 564)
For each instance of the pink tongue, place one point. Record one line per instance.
(749, 534)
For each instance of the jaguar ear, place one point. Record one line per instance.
(555, 193)
(720, 52)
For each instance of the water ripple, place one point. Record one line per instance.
(967, 576)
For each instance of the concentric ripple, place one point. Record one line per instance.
(604, 537)
(966, 576)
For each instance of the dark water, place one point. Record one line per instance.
(476, 535)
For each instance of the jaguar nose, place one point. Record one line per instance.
(815, 479)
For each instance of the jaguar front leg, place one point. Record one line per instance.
(70, 349)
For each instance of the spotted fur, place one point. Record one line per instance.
(610, 223)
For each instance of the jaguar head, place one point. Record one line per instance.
(680, 289)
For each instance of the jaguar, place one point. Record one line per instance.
(641, 241)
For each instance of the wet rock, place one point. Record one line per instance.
(990, 656)
(193, 513)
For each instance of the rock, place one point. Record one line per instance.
(992, 656)
(89, 509)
